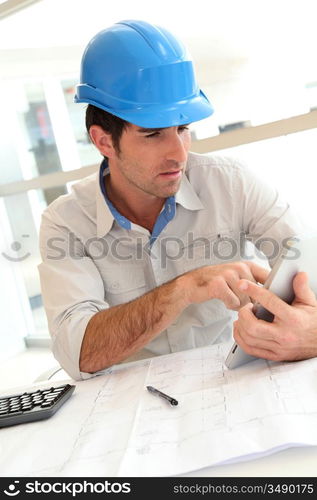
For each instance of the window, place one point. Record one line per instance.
(45, 146)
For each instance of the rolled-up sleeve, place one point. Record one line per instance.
(72, 291)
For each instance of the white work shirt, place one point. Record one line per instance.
(90, 262)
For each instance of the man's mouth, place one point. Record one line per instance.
(173, 174)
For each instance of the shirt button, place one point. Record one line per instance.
(116, 284)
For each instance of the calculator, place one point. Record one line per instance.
(34, 405)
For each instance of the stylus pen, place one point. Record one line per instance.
(172, 401)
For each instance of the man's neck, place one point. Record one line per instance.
(143, 212)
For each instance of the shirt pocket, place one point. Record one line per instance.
(211, 249)
(123, 283)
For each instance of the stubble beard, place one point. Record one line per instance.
(154, 190)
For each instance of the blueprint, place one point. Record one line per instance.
(112, 426)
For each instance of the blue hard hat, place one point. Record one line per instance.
(141, 73)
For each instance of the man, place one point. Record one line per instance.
(147, 257)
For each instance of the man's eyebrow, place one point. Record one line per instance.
(147, 130)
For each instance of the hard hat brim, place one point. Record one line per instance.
(186, 111)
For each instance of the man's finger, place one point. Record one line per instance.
(266, 298)
(255, 328)
(303, 294)
(259, 273)
(243, 298)
(254, 351)
(230, 299)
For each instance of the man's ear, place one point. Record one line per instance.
(102, 140)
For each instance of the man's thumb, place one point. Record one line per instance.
(303, 293)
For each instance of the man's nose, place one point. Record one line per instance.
(177, 149)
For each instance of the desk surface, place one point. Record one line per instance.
(80, 429)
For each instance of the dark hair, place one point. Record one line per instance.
(108, 122)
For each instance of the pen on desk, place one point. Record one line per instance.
(172, 401)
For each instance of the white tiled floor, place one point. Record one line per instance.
(25, 367)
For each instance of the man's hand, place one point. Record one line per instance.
(293, 333)
(221, 282)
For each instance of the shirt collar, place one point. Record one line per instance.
(119, 218)
(105, 219)
(187, 196)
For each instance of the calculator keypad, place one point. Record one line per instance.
(21, 408)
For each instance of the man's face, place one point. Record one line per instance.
(151, 160)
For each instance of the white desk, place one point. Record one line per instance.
(49, 448)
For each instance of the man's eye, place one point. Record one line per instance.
(153, 134)
(181, 129)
